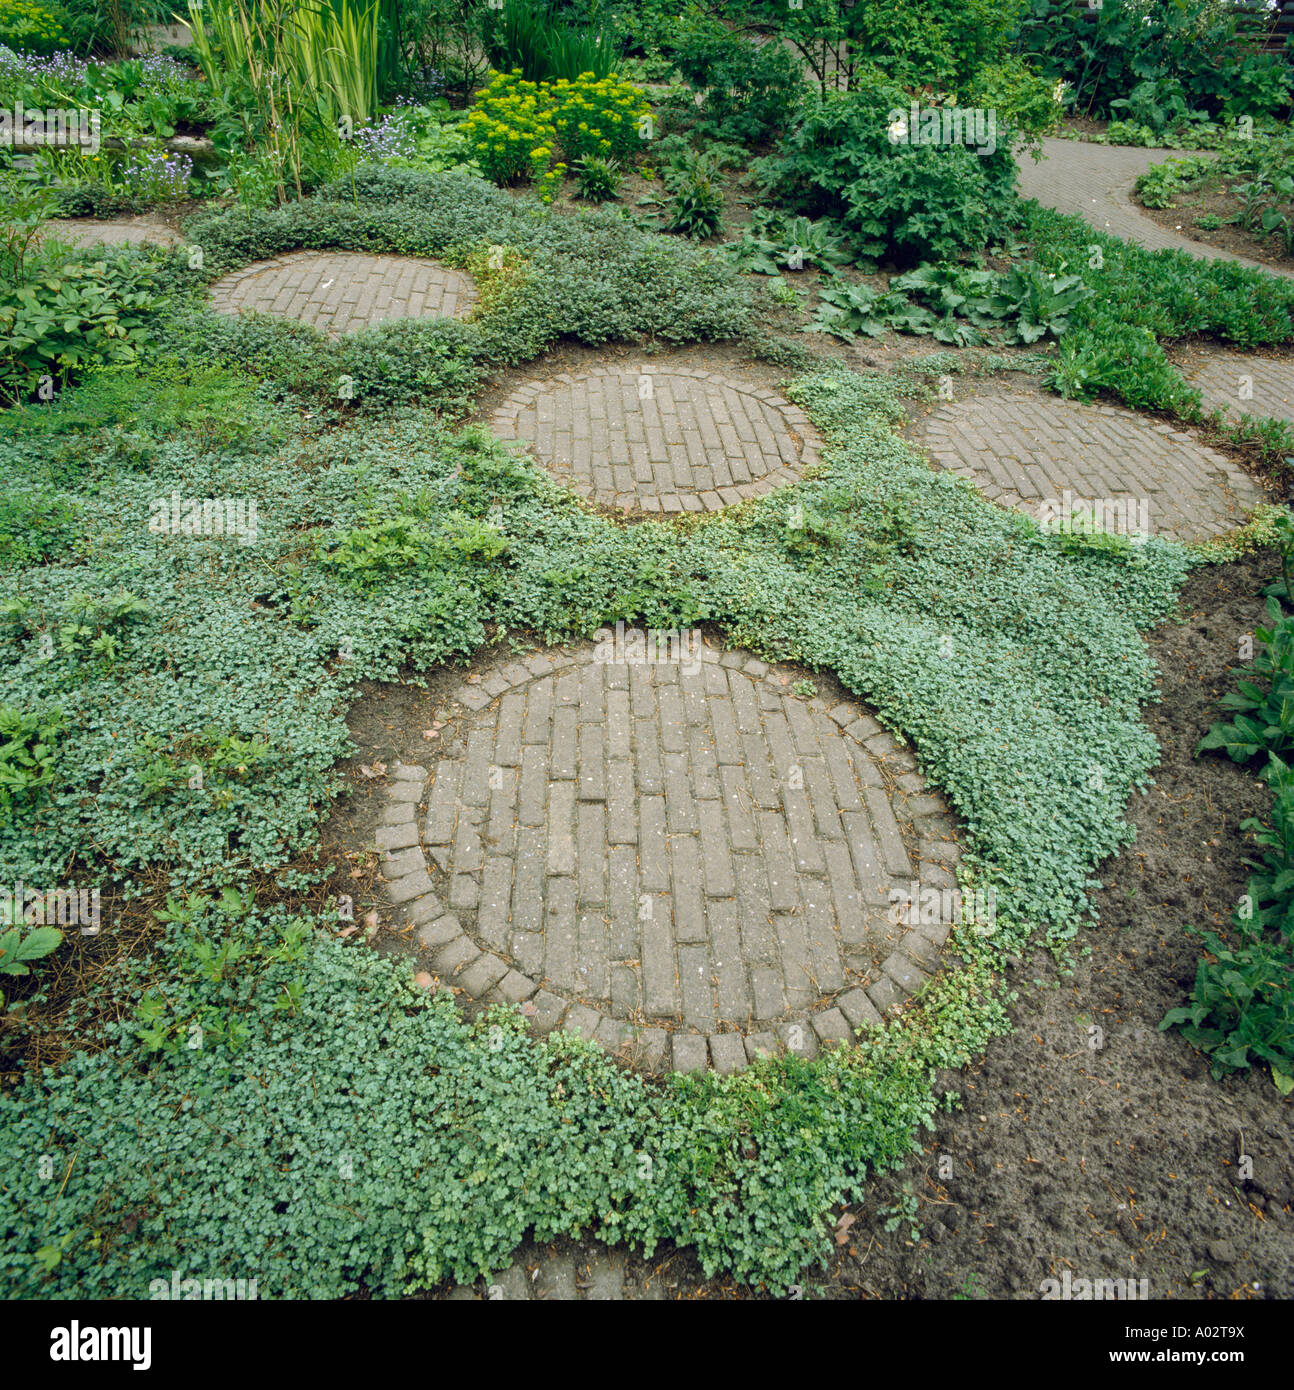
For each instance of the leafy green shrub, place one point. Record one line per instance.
(1189, 50)
(516, 126)
(900, 201)
(693, 203)
(28, 753)
(29, 27)
(749, 90)
(35, 526)
(1024, 100)
(597, 180)
(61, 318)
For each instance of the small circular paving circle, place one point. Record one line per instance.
(1240, 385)
(342, 292)
(664, 848)
(659, 438)
(88, 231)
(1061, 458)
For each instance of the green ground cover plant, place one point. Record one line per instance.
(374, 552)
(1144, 299)
(591, 275)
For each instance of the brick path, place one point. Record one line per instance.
(1023, 452)
(341, 292)
(660, 438)
(680, 859)
(1096, 181)
(85, 231)
(1261, 386)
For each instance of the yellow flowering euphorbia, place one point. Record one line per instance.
(515, 125)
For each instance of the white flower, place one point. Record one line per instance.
(1058, 92)
(898, 131)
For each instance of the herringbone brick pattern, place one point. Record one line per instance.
(342, 292)
(1024, 452)
(660, 439)
(670, 853)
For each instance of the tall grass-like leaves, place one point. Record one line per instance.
(289, 68)
(528, 37)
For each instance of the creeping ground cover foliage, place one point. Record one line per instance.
(243, 1090)
(1017, 668)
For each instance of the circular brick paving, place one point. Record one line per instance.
(679, 858)
(1261, 386)
(1048, 455)
(341, 292)
(85, 231)
(659, 438)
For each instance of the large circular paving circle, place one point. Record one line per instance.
(343, 292)
(1058, 457)
(1243, 385)
(660, 438)
(666, 849)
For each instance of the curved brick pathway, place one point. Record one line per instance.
(660, 438)
(86, 231)
(1096, 182)
(1241, 385)
(680, 859)
(1028, 453)
(342, 292)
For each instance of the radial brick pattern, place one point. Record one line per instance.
(1260, 386)
(669, 855)
(1023, 452)
(660, 439)
(340, 292)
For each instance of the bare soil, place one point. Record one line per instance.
(1214, 198)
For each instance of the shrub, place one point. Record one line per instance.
(750, 90)
(903, 201)
(516, 126)
(1190, 54)
(597, 180)
(694, 196)
(29, 28)
(60, 319)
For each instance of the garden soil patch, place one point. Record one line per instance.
(1214, 198)
(1111, 1161)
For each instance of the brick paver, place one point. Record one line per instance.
(1096, 182)
(660, 438)
(680, 859)
(1260, 386)
(86, 231)
(1029, 453)
(342, 292)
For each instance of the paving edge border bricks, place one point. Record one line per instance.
(488, 978)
